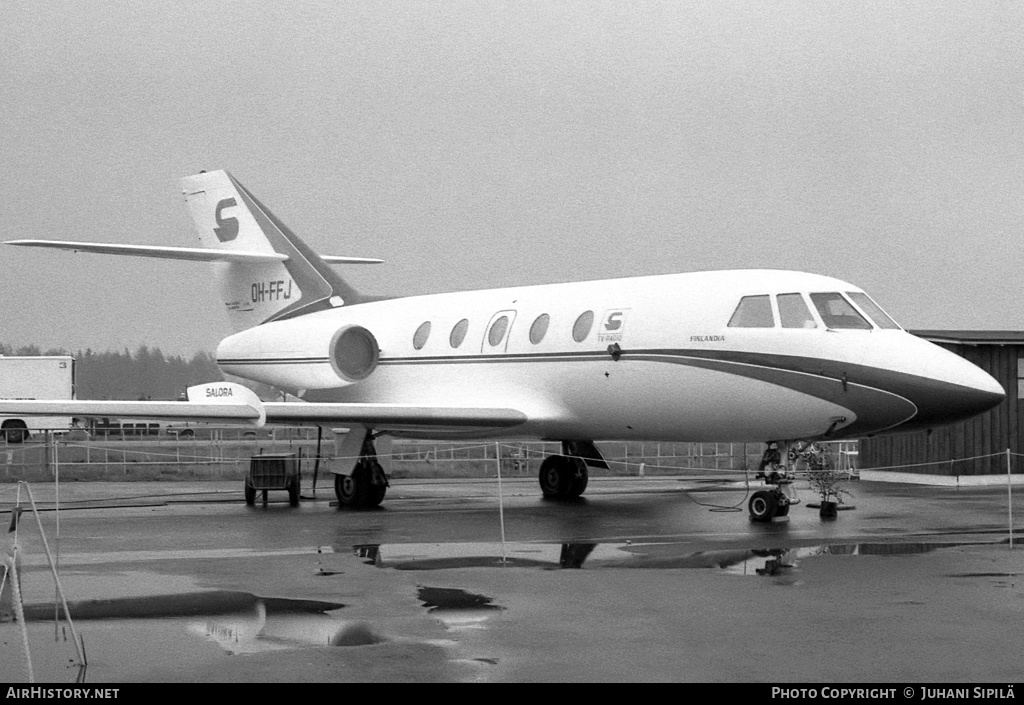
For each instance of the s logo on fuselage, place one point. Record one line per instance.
(613, 326)
(227, 228)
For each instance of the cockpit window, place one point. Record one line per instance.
(836, 312)
(874, 312)
(793, 312)
(753, 312)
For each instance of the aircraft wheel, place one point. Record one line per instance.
(250, 493)
(376, 483)
(580, 478)
(762, 506)
(563, 478)
(782, 509)
(294, 490)
(349, 490)
(555, 477)
(376, 495)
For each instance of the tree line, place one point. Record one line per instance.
(145, 374)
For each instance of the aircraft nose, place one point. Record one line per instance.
(981, 393)
(959, 391)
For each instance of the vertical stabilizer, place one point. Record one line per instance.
(228, 217)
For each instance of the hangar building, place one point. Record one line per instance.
(976, 447)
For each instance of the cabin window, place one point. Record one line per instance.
(497, 332)
(459, 333)
(581, 328)
(793, 312)
(753, 312)
(836, 312)
(539, 328)
(873, 310)
(422, 333)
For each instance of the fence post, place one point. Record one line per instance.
(1009, 495)
(501, 501)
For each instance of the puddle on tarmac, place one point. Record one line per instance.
(131, 637)
(441, 556)
(127, 638)
(464, 616)
(448, 599)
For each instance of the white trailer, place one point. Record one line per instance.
(35, 377)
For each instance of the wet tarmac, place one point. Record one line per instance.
(661, 579)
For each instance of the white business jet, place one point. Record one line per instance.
(730, 356)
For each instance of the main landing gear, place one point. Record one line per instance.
(367, 484)
(566, 476)
(775, 500)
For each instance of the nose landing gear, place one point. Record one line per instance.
(776, 499)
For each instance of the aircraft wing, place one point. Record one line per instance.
(191, 254)
(392, 415)
(228, 402)
(194, 411)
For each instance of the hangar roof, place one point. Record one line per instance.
(972, 337)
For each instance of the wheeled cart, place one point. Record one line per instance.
(274, 471)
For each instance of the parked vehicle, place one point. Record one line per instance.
(35, 377)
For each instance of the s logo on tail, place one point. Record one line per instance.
(227, 229)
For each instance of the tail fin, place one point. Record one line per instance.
(228, 217)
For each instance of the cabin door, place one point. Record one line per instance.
(497, 332)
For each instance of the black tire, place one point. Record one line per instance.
(15, 431)
(376, 483)
(782, 510)
(250, 493)
(376, 495)
(762, 506)
(555, 477)
(563, 478)
(294, 490)
(350, 490)
(580, 478)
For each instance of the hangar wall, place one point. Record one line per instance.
(973, 447)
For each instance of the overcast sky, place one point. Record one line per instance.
(478, 144)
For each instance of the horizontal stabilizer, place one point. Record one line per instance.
(192, 254)
(341, 259)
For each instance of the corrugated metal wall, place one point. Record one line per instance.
(948, 450)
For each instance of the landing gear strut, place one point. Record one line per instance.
(367, 484)
(774, 501)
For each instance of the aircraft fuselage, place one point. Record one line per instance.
(656, 358)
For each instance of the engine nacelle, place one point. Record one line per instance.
(293, 355)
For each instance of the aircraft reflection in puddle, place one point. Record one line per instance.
(440, 556)
(257, 631)
(457, 609)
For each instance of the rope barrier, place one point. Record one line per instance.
(516, 452)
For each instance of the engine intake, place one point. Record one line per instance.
(354, 353)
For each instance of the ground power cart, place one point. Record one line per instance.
(274, 471)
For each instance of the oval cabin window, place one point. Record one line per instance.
(539, 328)
(459, 333)
(422, 333)
(497, 332)
(581, 329)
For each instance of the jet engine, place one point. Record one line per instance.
(294, 355)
